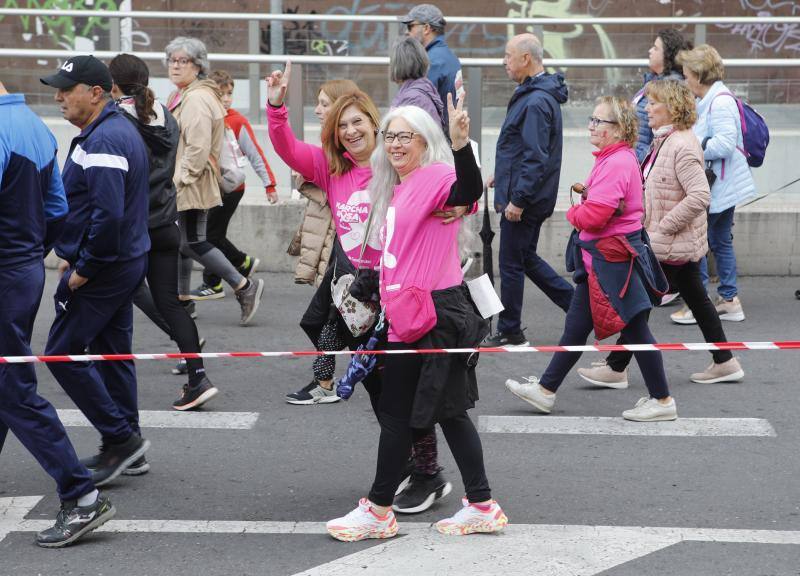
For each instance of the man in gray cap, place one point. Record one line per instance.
(105, 242)
(426, 23)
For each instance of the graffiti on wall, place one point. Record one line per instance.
(304, 37)
(772, 38)
(77, 33)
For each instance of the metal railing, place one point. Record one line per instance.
(474, 65)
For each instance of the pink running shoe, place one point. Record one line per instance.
(363, 523)
(471, 519)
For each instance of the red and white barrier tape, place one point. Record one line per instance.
(665, 347)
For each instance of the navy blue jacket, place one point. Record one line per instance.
(106, 180)
(32, 200)
(528, 157)
(444, 73)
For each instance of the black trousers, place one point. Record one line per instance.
(158, 299)
(687, 281)
(217, 233)
(400, 376)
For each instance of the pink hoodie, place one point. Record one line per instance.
(347, 194)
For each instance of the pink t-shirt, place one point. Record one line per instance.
(614, 177)
(419, 250)
(347, 193)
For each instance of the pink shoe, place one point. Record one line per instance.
(363, 523)
(471, 519)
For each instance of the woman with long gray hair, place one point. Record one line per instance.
(427, 306)
(198, 109)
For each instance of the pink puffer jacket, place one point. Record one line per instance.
(676, 196)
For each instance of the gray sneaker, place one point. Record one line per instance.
(312, 394)
(249, 298)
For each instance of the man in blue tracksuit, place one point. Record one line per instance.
(426, 23)
(526, 174)
(105, 243)
(32, 210)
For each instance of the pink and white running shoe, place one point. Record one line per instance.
(471, 519)
(363, 523)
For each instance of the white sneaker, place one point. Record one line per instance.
(651, 410)
(683, 316)
(531, 391)
(471, 519)
(730, 371)
(601, 374)
(362, 523)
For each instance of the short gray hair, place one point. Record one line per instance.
(531, 44)
(408, 60)
(194, 48)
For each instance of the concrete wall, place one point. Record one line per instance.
(766, 234)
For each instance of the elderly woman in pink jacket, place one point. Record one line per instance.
(676, 203)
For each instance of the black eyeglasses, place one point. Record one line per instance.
(595, 121)
(402, 137)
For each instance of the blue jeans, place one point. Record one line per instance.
(518, 258)
(720, 242)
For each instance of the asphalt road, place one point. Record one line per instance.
(312, 463)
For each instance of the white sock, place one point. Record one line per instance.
(89, 498)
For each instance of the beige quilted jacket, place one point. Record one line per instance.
(676, 196)
(313, 242)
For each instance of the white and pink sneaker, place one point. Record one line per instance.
(474, 518)
(363, 523)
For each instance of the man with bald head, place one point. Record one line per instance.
(526, 173)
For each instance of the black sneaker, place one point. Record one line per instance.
(249, 266)
(421, 493)
(182, 367)
(249, 298)
(206, 292)
(138, 468)
(114, 458)
(74, 521)
(503, 340)
(190, 307)
(406, 477)
(195, 396)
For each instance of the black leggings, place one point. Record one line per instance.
(577, 327)
(400, 376)
(217, 233)
(158, 299)
(687, 281)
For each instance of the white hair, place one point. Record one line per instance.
(385, 178)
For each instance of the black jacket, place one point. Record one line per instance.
(447, 384)
(160, 136)
(528, 157)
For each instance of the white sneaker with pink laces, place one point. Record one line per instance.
(471, 519)
(363, 523)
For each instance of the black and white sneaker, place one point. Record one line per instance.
(74, 521)
(114, 458)
(249, 266)
(141, 466)
(504, 340)
(406, 476)
(313, 394)
(421, 493)
(206, 292)
(182, 367)
(195, 396)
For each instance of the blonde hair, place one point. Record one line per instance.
(623, 113)
(338, 87)
(678, 99)
(705, 62)
(333, 148)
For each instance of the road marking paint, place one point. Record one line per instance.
(620, 427)
(175, 419)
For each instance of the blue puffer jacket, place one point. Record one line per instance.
(721, 132)
(528, 158)
(640, 101)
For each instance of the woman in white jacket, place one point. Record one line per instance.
(719, 130)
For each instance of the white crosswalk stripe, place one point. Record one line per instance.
(174, 419)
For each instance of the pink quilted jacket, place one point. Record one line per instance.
(676, 197)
